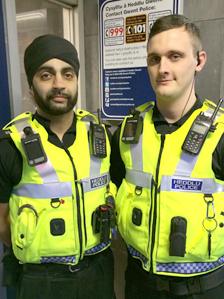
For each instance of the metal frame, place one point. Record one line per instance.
(12, 50)
(73, 30)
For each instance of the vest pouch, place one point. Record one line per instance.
(178, 236)
(25, 226)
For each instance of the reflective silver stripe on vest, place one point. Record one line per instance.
(139, 178)
(188, 184)
(50, 190)
(186, 164)
(136, 150)
(45, 170)
(136, 155)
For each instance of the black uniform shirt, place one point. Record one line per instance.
(117, 169)
(11, 159)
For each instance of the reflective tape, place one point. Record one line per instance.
(47, 172)
(189, 268)
(51, 190)
(139, 178)
(70, 259)
(136, 149)
(186, 164)
(137, 254)
(97, 248)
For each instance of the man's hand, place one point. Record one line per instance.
(5, 235)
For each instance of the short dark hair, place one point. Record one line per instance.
(177, 21)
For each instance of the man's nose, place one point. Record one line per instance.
(58, 81)
(163, 65)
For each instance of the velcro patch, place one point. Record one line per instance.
(98, 181)
(186, 185)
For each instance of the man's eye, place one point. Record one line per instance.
(69, 76)
(175, 57)
(153, 60)
(45, 76)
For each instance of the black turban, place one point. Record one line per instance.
(46, 47)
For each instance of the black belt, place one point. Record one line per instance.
(61, 268)
(191, 285)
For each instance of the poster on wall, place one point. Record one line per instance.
(124, 26)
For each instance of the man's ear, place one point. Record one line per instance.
(201, 60)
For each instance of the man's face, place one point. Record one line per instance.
(55, 87)
(171, 64)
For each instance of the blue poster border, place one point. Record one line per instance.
(136, 93)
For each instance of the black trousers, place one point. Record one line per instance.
(142, 285)
(94, 280)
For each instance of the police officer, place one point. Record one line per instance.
(56, 199)
(170, 201)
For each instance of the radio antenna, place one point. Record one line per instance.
(99, 115)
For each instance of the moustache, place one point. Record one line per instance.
(57, 92)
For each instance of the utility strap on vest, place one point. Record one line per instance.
(136, 149)
(139, 178)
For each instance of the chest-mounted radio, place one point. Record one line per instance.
(199, 131)
(132, 128)
(33, 148)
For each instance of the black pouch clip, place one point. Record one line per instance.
(178, 232)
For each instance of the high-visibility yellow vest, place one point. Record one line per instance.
(163, 183)
(51, 208)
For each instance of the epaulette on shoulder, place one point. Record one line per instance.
(141, 109)
(212, 106)
(5, 134)
(84, 115)
(146, 106)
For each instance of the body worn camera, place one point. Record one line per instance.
(33, 148)
(132, 128)
(199, 131)
(103, 220)
(97, 140)
(178, 230)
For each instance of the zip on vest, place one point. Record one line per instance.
(153, 209)
(77, 202)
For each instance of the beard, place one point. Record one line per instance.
(48, 106)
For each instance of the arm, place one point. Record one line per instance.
(218, 160)
(5, 235)
(10, 174)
